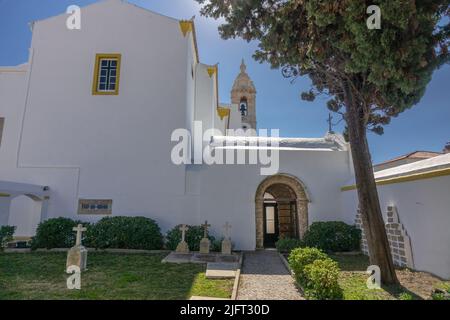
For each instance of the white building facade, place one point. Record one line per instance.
(87, 131)
(109, 153)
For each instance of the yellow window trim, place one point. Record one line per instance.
(407, 178)
(99, 57)
(4, 195)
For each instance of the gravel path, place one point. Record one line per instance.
(264, 277)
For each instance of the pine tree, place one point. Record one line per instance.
(370, 75)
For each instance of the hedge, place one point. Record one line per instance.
(193, 237)
(316, 273)
(122, 232)
(333, 236)
(110, 232)
(288, 244)
(299, 258)
(6, 235)
(322, 280)
(56, 233)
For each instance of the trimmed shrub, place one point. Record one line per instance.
(301, 257)
(333, 236)
(321, 280)
(122, 232)
(193, 237)
(288, 244)
(6, 235)
(316, 273)
(56, 233)
(405, 296)
(216, 245)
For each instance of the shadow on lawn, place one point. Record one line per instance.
(399, 290)
(357, 264)
(109, 276)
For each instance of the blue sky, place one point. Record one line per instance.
(424, 127)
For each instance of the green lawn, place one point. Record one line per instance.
(109, 276)
(352, 279)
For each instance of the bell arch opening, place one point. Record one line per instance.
(281, 209)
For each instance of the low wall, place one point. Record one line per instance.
(423, 209)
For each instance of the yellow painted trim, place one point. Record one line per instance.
(98, 57)
(22, 238)
(4, 195)
(348, 188)
(13, 71)
(223, 112)
(407, 178)
(212, 70)
(194, 35)
(217, 84)
(186, 26)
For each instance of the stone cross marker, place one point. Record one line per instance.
(205, 229)
(183, 246)
(205, 243)
(79, 229)
(77, 255)
(227, 228)
(183, 230)
(226, 242)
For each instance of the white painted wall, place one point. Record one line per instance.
(25, 214)
(205, 98)
(129, 134)
(118, 147)
(424, 210)
(4, 210)
(227, 192)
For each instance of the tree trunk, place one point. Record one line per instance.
(372, 218)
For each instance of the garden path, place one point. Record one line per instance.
(265, 277)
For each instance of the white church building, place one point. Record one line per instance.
(88, 129)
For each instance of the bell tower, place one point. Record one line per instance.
(243, 94)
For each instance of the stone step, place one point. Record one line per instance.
(220, 270)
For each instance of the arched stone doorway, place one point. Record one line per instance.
(281, 209)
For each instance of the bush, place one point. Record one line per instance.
(301, 257)
(333, 236)
(6, 235)
(288, 244)
(216, 245)
(441, 293)
(405, 296)
(193, 237)
(316, 273)
(55, 233)
(322, 280)
(125, 233)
